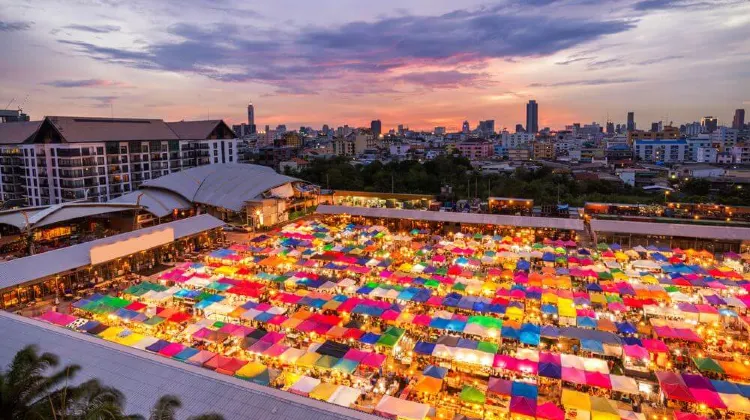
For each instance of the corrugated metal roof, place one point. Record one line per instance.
(85, 129)
(228, 186)
(160, 203)
(17, 132)
(672, 229)
(144, 377)
(22, 270)
(470, 218)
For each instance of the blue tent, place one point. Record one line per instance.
(157, 346)
(466, 343)
(423, 347)
(369, 338)
(435, 372)
(549, 309)
(593, 287)
(530, 334)
(550, 370)
(548, 257)
(625, 328)
(509, 333)
(523, 265)
(725, 387)
(593, 346)
(550, 331)
(585, 322)
(523, 389)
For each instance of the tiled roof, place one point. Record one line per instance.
(17, 132)
(193, 130)
(85, 129)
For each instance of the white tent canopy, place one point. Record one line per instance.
(396, 407)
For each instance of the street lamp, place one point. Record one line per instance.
(666, 194)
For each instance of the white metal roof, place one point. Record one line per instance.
(160, 203)
(22, 270)
(45, 216)
(227, 186)
(469, 218)
(144, 377)
(672, 229)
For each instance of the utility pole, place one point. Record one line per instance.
(392, 185)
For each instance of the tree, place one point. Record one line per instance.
(166, 409)
(25, 387)
(29, 392)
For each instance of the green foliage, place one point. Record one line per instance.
(28, 390)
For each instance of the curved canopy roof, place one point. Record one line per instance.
(227, 186)
(49, 215)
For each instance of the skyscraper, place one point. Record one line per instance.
(487, 127)
(532, 117)
(709, 124)
(739, 119)
(654, 127)
(465, 127)
(376, 127)
(610, 127)
(631, 121)
(519, 128)
(251, 118)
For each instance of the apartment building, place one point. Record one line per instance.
(63, 159)
(660, 150)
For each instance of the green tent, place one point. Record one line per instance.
(486, 321)
(153, 321)
(602, 246)
(114, 302)
(487, 347)
(387, 340)
(707, 364)
(326, 362)
(472, 395)
(442, 271)
(672, 289)
(432, 283)
(537, 245)
(477, 236)
(605, 275)
(459, 286)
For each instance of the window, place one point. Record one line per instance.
(99, 150)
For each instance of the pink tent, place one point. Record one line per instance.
(355, 355)
(422, 320)
(273, 337)
(276, 350)
(171, 349)
(636, 352)
(681, 415)
(655, 346)
(500, 386)
(709, 397)
(57, 318)
(390, 315)
(577, 376)
(523, 405)
(598, 379)
(550, 411)
(373, 360)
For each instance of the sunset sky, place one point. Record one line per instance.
(421, 63)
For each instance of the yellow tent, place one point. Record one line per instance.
(323, 391)
(602, 409)
(566, 308)
(576, 400)
(251, 370)
(514, 312)
(308, 360)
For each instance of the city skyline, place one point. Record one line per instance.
(421, 65)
